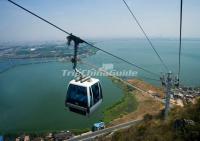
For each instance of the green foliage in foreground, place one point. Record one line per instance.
(157, 129)
(126, 105)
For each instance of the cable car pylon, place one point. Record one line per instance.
(168, 81)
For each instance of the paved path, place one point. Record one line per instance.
(92, 135)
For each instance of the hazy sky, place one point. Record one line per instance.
(97, 19)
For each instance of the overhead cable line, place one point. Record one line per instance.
(130, 63)
(180, 39)
(124, 81)
(104, 71)
(39, 17)
(109, 74)
(145, 34)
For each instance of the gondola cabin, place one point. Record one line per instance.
(84, 97)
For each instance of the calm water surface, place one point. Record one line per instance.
(32, 97)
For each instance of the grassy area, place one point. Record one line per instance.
(126, 105)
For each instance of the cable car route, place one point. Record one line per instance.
(180, 40)
(145, 34)
(84, 95)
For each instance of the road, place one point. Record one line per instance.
(92, 135)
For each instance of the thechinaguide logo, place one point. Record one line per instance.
(105, 70)
(107, 66)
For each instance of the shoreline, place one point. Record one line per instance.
(146, 103)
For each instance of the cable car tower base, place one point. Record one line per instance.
(168, 81)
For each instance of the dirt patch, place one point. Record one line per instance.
(147, 87)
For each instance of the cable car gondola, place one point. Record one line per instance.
(84, 97)
(84, 94)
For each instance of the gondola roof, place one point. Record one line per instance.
(87, 83)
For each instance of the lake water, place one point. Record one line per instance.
(32, 96)
(140, 53)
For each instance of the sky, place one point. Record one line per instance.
(98, 19)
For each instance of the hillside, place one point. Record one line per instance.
(183, 124)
